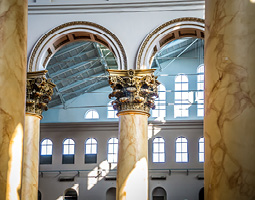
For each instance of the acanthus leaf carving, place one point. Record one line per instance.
(133, 90)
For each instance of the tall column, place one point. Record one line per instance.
(13, 56)
(39, 91)
(229, 100)
(135, 91)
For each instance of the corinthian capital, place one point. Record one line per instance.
(39, 92)
(134, 90)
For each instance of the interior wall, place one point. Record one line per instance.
(178, 179)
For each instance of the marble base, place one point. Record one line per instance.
(132, 169)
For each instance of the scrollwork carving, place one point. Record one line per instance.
(133, 90)
(39, 92)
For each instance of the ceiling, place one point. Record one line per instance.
(176, 50)
(80, 67)
(77, 68)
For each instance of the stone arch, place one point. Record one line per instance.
(111, 193)
(159, 193)
(70, 194)
(165, 33)
(69, 32)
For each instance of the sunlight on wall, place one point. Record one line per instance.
(134, 187)
(15, 164)
(98, 173)
(252, 1)
(76, 188)
(152, 131)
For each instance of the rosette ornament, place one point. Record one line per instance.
(133, 90)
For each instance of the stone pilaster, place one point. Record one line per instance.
(229, 126)
(39, 92)
(135, 92)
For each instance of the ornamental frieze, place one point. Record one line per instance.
(133, 90)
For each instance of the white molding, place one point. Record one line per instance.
(58, 7)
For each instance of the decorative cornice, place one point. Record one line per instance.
(41, 41)
(113, 7)
(134, 90)
(39, 92)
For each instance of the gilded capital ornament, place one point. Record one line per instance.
(39, 92)
(134, 90)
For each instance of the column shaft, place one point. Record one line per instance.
(229, 126)
(30, 158)
(13, 56)
(132, 173)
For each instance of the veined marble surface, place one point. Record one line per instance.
(13, 42)
(229, 100)
(29, 189)
(132, 173)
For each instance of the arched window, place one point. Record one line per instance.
(113, 150)
(160, 103)
(71, 194)
(181, 97)
(111, 113)
(158, 149)
(91, 114)
(181, 145)
(91, 151)
(201, 149)
(200, 92)
(68, 151)
(111, 194)
(159, 193)
(46, 151)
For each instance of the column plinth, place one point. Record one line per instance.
(229, 127)
(13, 57)
(135, 91)
(39, 91)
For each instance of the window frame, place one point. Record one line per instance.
(160, 102)
(200, 102)
(182, 153)
(114, 153)
(41, 145)
(158, 153)
(93, 111)
(199, 150)
(45, 159)
(181, 105)
(111, 110)
(90, 158)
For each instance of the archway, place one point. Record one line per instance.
(159, 193)
(70, 194)
(70, 32)
(165, 33)
(111, 194)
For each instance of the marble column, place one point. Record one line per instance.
(39, 91)
(229, 126)
(135, 91)
(13, 57)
